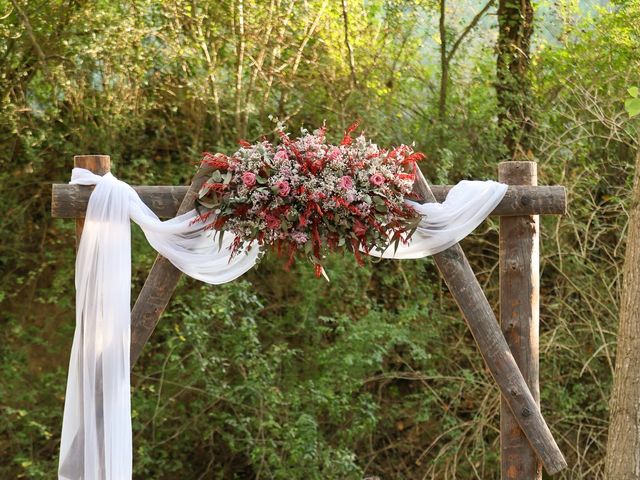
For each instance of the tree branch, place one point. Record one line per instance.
(352, 63)
(27, 25)
(444, 68)
(468, 29)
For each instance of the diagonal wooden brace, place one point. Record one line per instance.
(468, 294)
(161, 281)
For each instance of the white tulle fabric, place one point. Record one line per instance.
(96, 428)
(96, 432)
(444, 224)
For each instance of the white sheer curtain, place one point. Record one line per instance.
(96, 432)
(444, 224)
(96, 429)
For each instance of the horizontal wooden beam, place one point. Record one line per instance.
(70, 201)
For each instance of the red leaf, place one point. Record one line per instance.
(347, 140)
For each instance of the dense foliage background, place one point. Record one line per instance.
(281, 375)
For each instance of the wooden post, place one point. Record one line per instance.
(519, 318)
(482, 322)
(98, 164)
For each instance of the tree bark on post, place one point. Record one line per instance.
(98, 164)
(519, 318)
(623, 445)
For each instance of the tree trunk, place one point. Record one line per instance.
(444, 67)
(446, 56)
(352, 62)
(623, 445)
(515, 21)
(240, 51)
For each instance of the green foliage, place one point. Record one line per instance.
(281, 375)
(632, 105)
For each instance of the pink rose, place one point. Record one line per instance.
(377, 179)
(273, 222)
(346, 182)
(283, 188)
(281, 155)
(333, 154)
(249, 179)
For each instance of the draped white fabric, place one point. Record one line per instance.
(96, 433)
(96, 428)
(444, 224)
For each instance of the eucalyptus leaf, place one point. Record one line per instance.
(292, 214)
(382, 207)
(208, 202)
(203, 190)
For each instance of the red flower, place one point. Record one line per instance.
(220, 221)
(273, 222)
(201, 218)
(406, 176)
(241, 210)
(414, 157)
(216, 187)
(359, 228)
(217, 161)
(347, 134)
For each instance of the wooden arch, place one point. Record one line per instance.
(510, 349)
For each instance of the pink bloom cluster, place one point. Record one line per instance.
(305, 197)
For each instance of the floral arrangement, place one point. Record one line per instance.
(305, 197)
